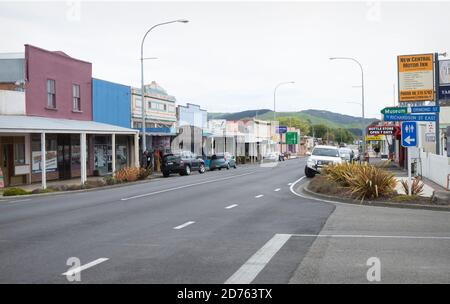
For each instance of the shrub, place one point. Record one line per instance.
(109, 180)
(130, 174)
(15, 191)
(144, 173)
(365, 181)
(416, 187)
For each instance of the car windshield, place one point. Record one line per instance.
(325, 152)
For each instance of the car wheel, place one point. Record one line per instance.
(234, 166)
(166, 174)
(187, 170)
(202, 169)
(228, 166)
(220, 168)
(309, 173)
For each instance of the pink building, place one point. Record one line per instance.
(46, 127)
(66, 77)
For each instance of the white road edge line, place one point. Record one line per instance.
(18, 201)
(248, 272)
(373, 236)
(277, 189)
(184, 186)
(231, 206)
(258, 196)
(184, 225)
(84, 267)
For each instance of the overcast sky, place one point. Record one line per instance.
(231, 55)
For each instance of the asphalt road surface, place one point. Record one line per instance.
(241, 225)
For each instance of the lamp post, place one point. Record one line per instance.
(144, 141)
(274, 104)
(363, 129)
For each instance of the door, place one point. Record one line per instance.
(64, 156)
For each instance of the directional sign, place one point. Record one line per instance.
(425, 109)
(291, 138)
(409, 134)
(417, 117)
(281, 129)
(395, 110)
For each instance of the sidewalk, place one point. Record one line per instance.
(430, 189)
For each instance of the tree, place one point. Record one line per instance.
(295, 122)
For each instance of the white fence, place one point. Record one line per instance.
(434, 167)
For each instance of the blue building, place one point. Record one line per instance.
(111, 104)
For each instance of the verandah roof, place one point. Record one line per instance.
(36, 124)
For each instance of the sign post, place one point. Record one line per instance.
(409, 139)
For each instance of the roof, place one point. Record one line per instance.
(36, 124)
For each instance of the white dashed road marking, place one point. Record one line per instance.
(277, 189)
(231, 206)
(248, 272)
(83, 267)
(258, 196)
(184, 225)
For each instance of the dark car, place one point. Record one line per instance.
(183, 163)
(222, 160)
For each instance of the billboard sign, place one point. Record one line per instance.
(444, 72)
(415, 77)
(381, 130)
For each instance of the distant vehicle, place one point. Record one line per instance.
(222, 160)
(346, 154)
(273, 156)
(319, 157)
(183, 163)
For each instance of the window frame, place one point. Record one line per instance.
(51, 93)
(76, 100)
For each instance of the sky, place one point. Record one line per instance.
(231, 55)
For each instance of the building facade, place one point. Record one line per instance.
(46, 126)
(160, 116)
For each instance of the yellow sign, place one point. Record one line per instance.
(415, 77)
(375, 138)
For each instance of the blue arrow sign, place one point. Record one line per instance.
(409, 134)
(281, 129)
(425, 109)
(418, 117)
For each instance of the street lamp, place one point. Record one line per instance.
(274, 104)
(144, 141)
(363, 129)
(275, 95)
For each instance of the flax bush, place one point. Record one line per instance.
(365, 181)
(130, 174)
(416, 187)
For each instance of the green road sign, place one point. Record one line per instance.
(291, 138)
(395, 110)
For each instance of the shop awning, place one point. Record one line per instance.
(35, 124)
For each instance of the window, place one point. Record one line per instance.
(51, 94)
(76, 97)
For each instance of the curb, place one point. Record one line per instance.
(3, 198)
(305, 190)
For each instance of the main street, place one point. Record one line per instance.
(233, 226)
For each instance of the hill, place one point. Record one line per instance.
(330, 119)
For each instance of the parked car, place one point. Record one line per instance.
(320, 157)
(222, 160)
(273, 156)
(183, 163)
(346, 154)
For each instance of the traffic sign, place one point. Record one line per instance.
(395, 110)
(416, 117)
(291, 138)
(281, 129)
(426, 109)
(409, 134)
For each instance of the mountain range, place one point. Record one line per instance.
(330, 119)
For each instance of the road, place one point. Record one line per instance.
(244, 225)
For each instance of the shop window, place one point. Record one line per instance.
(19, 153)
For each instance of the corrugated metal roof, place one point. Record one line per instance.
(35, 124)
